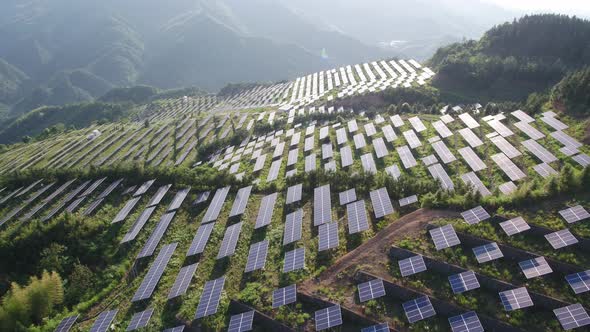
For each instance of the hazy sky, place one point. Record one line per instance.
(574, 7)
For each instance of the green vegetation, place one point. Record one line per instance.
(573, 92)
(514, 59)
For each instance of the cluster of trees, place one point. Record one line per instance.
(23, 306)
(514, 59)
(573, 92)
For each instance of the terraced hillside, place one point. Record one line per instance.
(278, 207)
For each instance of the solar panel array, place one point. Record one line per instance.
(230, 240)
(561, 239)
(210, 298)
(487, 252)
(475, 215)
(418, 309)
(370, 290)
(241, 322)
(328, 317)
(216, 203)
(257, 256)
(380, 148)
(310, 163)
(265, 211)
(328, 236)
(412, 139)
(273, 172)
(535, 267)
(357, 217)
(574, 214)
(408, 200)
(241, 201)
(579, 282)
(470, 137)
(412, 265)
(467, 322)
(439, 173)
(293, 225)
(294, 193)
(200, 240)
(284, 296)
(66, 324)
(140, 319)
(294, 260)
(517, 298)
(514, 226)
(384, 327)
(506, 165)
(359, 141)
(443, 152)
(444, 237)
(322, 205)
(406, 157)
(103, 321)
(150, 281)
(346, 156)
(381, 202)
(154, 239)
(572, 316)
(183, 280)
(463, 282)
(347, 196)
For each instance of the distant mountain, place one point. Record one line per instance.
(514, 59)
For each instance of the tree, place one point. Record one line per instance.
(79, 282)
(53, 258)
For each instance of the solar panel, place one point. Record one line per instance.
(487, 252)
(327, 151)
(66, 324)
(529, 130)
(508, 149)
(509, 168)
(389, 133)
(514, 226)
(103, 321)
(384, 327)
(443, 152)
(310, 163)
(500, 128)
(539, 151)
(209, 301)
(439, 173)
(230, 240)
(151, 244)
(470, 137)
(418, 309)
(157, 198)
(273, 172)
(257, 256)
(412, 265)
(566, 140)
(346, 156)
(582, 159)
(468, 120)
(370, 129)
(359, 141)
(444, 237)
(467, 322)
(574, 214)
(124, 212)
(328, 236)
(371, 290)
(463, 282)
(553, 122)
(535, 267)
(347, 196)
(322, 205)
(267, 206)
(341, 137)
(293, 224)
(561, 239)
(175, 329)
(138, 224)
(544, 170)
(406, 157)
(412, 139)
(202, 197)
(241, 322)
(183, 280)
(178, 199)
(517, 298)
(357, 217)
(144, 188)
(572, 316)
(216, 203)
(240, 202)
(259, 164)
(279, 148)
(292, 158)
(408, 200)
(475, 215)
(294, 193)
(200, 240)
(150, 281)
(294, 260)
(295, 139)
(352, 126)
(380, 148)
(284, 296)
(417, 124)
(397, 121)
(328, 317)
(381, 203)
(309, 144)
(140, 319)
(579, 282)
(368, 163)
(324, 132)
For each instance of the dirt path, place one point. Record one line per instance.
(371, 256)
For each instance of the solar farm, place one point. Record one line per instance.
(305, 215)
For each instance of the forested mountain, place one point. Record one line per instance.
(514, 59)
